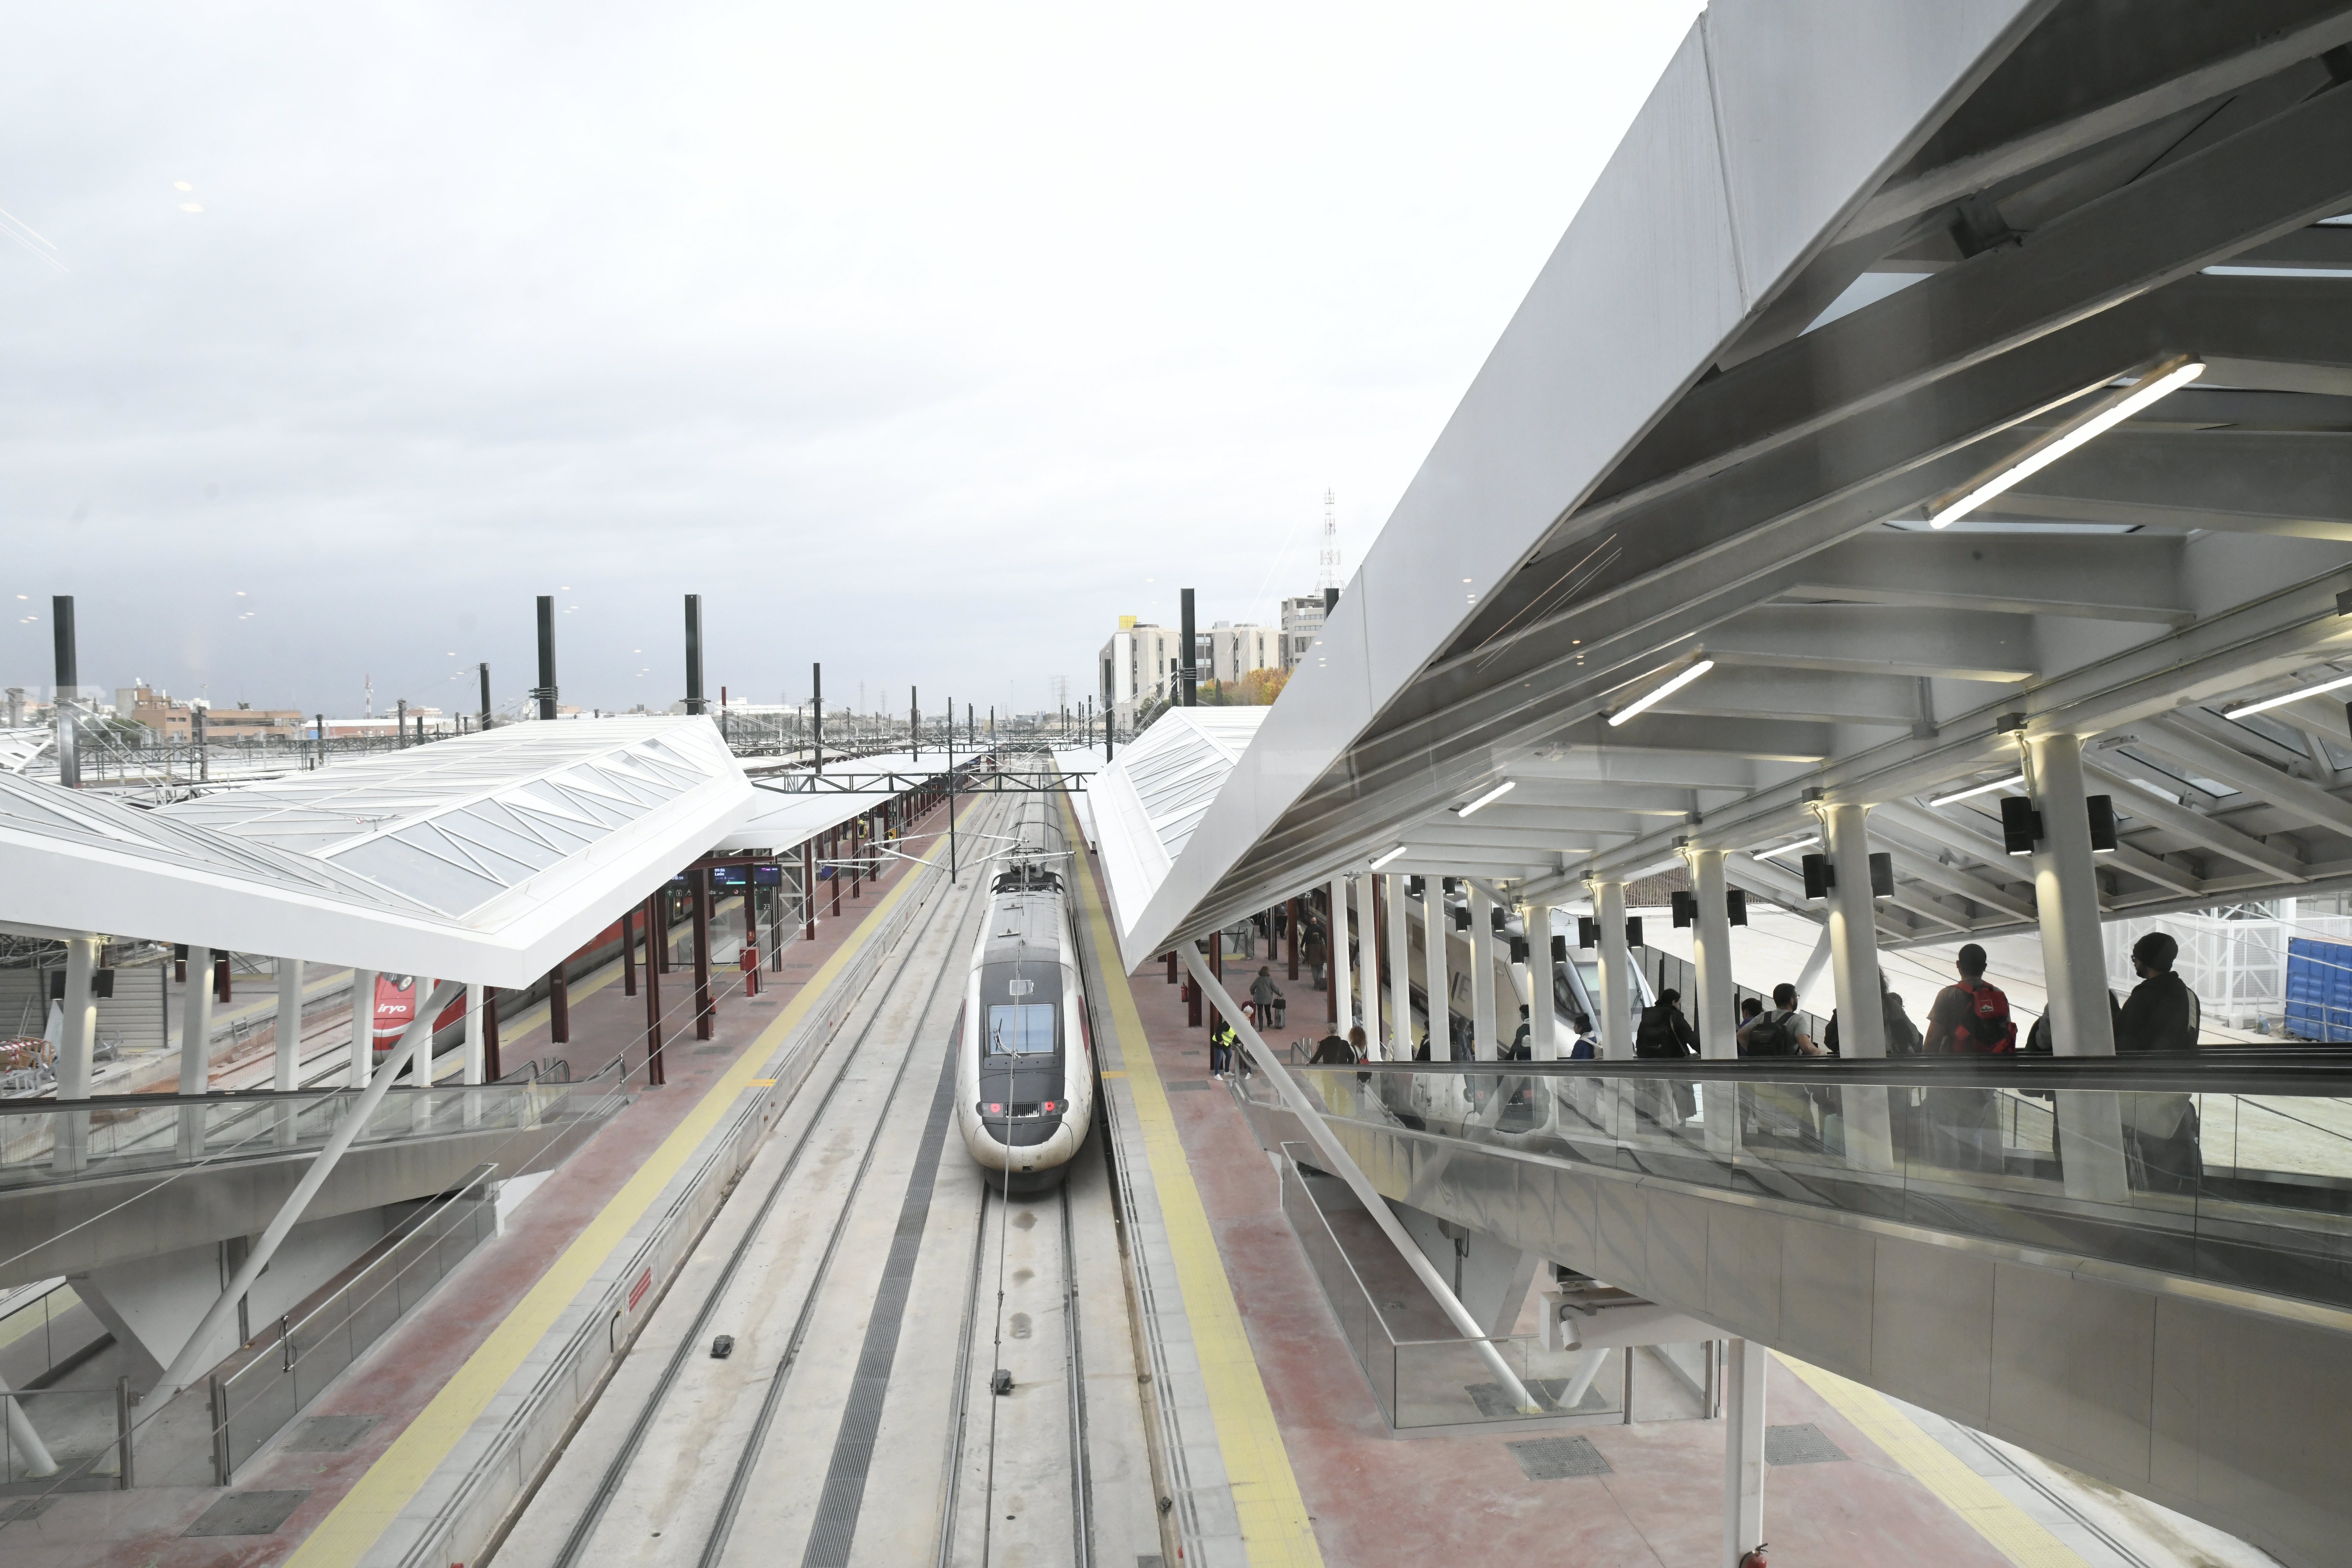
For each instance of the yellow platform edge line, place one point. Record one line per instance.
(2013, 1533)
(356, 1523)
(1275, 1531)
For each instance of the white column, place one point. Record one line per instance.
(1368, 976)
(290, 1025)
(196, 1023)
(1743, 1447)
(1718, 1013)
(2066, 895)
(362, 1027)
(1543, 980)
(1343, 983)
(1854, 934)
(1399, 1039)
(475, 1045)
(1616, 973)
(78, 1045)
(1482, 974)
(1436, 978)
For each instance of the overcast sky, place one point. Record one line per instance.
(921, 339)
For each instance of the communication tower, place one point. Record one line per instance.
(1328, 578)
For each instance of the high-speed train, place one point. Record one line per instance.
(1025, 1074)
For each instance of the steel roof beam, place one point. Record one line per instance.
(2298, 797)
(2184, 53)
(1871, 640)
(2029, 574)
(2142, 800)
(2259, 481)
(2266, 182)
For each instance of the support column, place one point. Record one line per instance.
(1718, 1012)
(363, 1066)
(1342, 981)
(196, 1023)
(808, 885)
(493, 1067)
(472, 1072)
(1743, 1449)
(706, 1017)
(77, 1062)
(1854, 933)
(1367, 963)
(629, 953)
(2066, 895)
(833, 855)
(1482, 974)
(1543, 985)
(1437, 983)
(559, 1003)
(654, 927)
(1400, 1036)
(289, 1025)
(1617, 990)
(2091, 1158)
(1290, 928)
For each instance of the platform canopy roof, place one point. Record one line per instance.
(1144, 805)
(484, 859)
(1849, 263)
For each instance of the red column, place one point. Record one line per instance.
(1171, 966)
(834, 855)
(1293, 932)
(698, 888)
(559, 1004)
(653, 922)
(491, 1070)
(808, 885)
(856, 855)
(629, 953)
(220, 977)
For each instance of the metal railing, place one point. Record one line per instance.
(45, 1141)
(2239, 1173)
(282, 1373)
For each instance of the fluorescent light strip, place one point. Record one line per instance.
(1489, 798)
(2149, 390)
(1384, 860)
(1800, 843)
(1643, 704)
(1978, 790)
(2267, 703)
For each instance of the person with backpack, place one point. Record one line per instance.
(1903, 1036)
(1663, 1031)
(1774, 1030)
(1968, 1018)
(1586, 1048)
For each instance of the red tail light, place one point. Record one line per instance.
(1049, 1105)
(995, 1109)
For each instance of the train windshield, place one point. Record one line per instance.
(1021, 1028)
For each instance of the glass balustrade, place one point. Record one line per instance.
(2203, 1170)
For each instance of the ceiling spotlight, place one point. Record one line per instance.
(1382, 859)
(2267, 703)
(1975, 790)
(2104, 414)
(1492, 795)
(1659, 694)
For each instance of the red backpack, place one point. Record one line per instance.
(1986, 1028)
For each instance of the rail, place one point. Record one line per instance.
(43, 1143)
(2238, 1173)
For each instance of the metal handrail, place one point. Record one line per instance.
(2219, 1070)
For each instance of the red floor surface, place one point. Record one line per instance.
(141, 1529)
(1413, 1502)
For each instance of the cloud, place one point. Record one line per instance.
(915, 337)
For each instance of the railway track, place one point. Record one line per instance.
(774, 1273)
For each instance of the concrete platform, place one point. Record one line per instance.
(393, 1421)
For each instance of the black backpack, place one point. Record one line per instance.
(1771, 1036)
(1903, 1036)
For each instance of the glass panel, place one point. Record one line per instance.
(1021, 1028)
